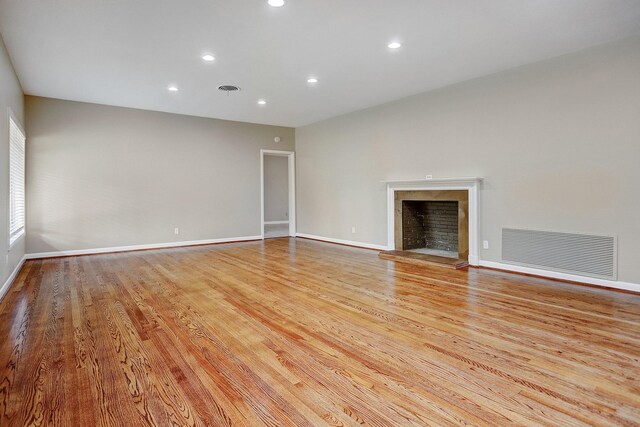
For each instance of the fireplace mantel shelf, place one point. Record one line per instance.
(466, 179)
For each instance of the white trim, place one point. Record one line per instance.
(261, 194)
(291, 156)
(140, 247)
(635, 287)
(292, 194)
(343, 242)
(463, 180)
(7, 284)
(562, 276)
(469, 184)
(275, 222)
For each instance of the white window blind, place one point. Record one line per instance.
(16, 182)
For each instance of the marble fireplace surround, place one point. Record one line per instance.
(462, 190)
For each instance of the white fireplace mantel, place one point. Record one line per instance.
(463, 180)
(470, 184)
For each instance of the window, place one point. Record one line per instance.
(16, 182)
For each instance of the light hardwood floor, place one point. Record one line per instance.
(298, 332)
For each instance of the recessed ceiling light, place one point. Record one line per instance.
(208, 57)
(276, 3)
(173, 88)
(394, 45)
(262, 102)
(312, 80)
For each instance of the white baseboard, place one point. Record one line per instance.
(472, 261)
(343, 242)
(275, 222)
(140, 247)
(7, 284)
(635, 287)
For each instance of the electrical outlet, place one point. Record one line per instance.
(429, 177)
(176, 231)
(485, 244)
(353, 229)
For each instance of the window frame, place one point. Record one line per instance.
(12, 118)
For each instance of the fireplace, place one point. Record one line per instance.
(430, 227)
(435, 212)
(432, 222)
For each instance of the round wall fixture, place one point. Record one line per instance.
(277, 139)
(229, 88)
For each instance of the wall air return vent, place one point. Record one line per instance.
(228, 88)
(581, 254)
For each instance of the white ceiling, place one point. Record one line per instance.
(127, 52)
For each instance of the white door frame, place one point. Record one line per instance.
(291, 157)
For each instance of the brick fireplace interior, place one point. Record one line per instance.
(430, 227)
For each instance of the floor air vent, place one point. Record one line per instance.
(582, 254)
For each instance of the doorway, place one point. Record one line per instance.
(277, 185)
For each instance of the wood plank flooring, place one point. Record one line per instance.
(301, 333)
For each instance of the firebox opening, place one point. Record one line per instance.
(430, 227)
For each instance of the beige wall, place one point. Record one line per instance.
(558, 143)
(276, 188)
(10, 97)
(100, 176)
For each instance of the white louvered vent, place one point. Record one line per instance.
(583, 254)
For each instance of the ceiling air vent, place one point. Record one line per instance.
(583, 254)
(229, 88)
